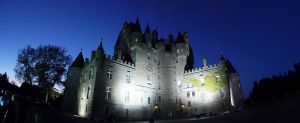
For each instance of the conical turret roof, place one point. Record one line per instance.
(79, 61)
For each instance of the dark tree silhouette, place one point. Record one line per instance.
(276, 87)
(5, 85)
(45, 66)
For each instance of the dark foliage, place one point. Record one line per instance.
(276, 87)
(44, 66)
(5, 85)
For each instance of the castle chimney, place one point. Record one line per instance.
(204, 62)
(93, 55)
(86, 60)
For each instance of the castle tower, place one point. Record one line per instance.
(73, 85)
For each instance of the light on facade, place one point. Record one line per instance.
(182, 106)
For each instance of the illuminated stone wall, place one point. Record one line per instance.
(146, 78)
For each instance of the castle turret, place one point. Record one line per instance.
(147, 36)
(137, 27)
(72, 85)
(78, 62)
(100, 53)
(204, 60)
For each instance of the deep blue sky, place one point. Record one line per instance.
(259, 37)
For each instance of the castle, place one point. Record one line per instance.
(149, 77)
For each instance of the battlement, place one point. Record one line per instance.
(200, 69)
(119, 61)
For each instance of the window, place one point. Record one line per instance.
(88, 93)
(188, 94)
(109, 74)
(85, 75)
(90, 74)
(148, 100)
(128, 77)
(193, 93)
(127, 97)
(189, 104)
(86, 109)
(222, 94)
(218, 78)
(108, 91)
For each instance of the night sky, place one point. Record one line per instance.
(259, 37)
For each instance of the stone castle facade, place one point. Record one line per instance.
(149, 77)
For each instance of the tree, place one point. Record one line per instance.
(45, 66)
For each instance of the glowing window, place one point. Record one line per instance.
(218, 78)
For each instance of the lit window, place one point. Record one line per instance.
(109, 73)
(179, 83)
(189, 104)
(218, 78)
(108, 91)
(127, 97)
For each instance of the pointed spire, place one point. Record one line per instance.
(222, 57)
(179, 38)
(147, 31)
(79, 61)
(137, 25)
(101, 46)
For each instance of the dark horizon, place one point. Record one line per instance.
(260, 38)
